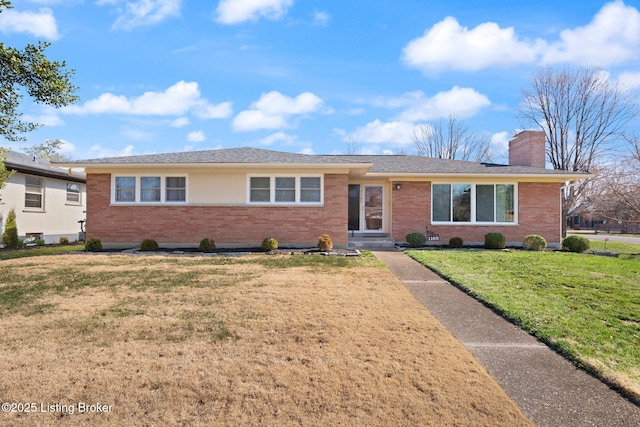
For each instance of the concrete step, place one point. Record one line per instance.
(371, 243)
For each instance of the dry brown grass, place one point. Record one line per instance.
(181, 341)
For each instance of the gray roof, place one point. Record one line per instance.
(383, 164)
(34, 166)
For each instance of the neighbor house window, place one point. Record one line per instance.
(149, 189)
(473, 203)
(73, 193)
(285, 189)
(34, 191)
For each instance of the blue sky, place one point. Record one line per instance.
(305, 76)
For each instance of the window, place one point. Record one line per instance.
(149, 189)
(176, 189)
(33, 192)
(285, 189)
(473, 203)
(125, 189)
(73, 193)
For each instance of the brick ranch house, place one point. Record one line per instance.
(239, 196)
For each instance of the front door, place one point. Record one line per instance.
(366, 208)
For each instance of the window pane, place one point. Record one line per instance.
(125, 189)
(441, 202)
(310, 189)
(461, 202)
(260, 189)
(33, 192)
(150, 189)
(505, 206)
(285, 189)
(32, 200)
(176, 189)
(484, 203)
(73, 193)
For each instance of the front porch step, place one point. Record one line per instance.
(371, 243)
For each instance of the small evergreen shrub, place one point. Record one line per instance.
(416, 240)
(149, 245)
(40, 242)
(64, 241)
(207, 245)
(534, 242)
(456, 242)
(10, 233)
(269, 244)
(494, 241)
(576, 244)
(325, 243)
(93, 244)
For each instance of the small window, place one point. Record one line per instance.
(176, 189)
(150, 189)
(310, 190)
(260, 189)
(33, 192)
(73, 192)
(125, 189)
(286, 190)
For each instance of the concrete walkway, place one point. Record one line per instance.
(548, 388)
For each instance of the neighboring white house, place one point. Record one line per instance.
(48, 201)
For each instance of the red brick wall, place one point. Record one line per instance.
(538, 210)
(528, 149)
(241, 225)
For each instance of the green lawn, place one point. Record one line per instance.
(586, 306)
(619, 247)
(38, 251)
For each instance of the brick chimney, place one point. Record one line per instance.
(527, 149)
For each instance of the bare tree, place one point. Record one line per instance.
(581, 113)
(451, 139)
(48, 150)
(353, 148)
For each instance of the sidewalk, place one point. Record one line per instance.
(548, 388)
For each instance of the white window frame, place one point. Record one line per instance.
(272, 189)
(473, 204)
(43, 185)
(138, 189)
(74, 202)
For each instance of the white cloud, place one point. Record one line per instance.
(459, 101)
(39, 24)
(143, 12)
(377, 132)
(278, 137)
(196, 136)
(67, 148)
(629, 80)
(179, 99)
(46, 119)
(321, 18)
(307, 150)
(273, 109)
(448, 45)
(612, 37)
(238, 11)
(97, 151)
(179, 122)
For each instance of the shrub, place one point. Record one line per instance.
(325, 243)
(456, 242)
(534, 242)
(494, 241)
(416, 240)
(10, 234)
(64, 241)
(149, 245)
(576, 244)
(40, 242)
(207, 245)
(93, 244)
(269, 244)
